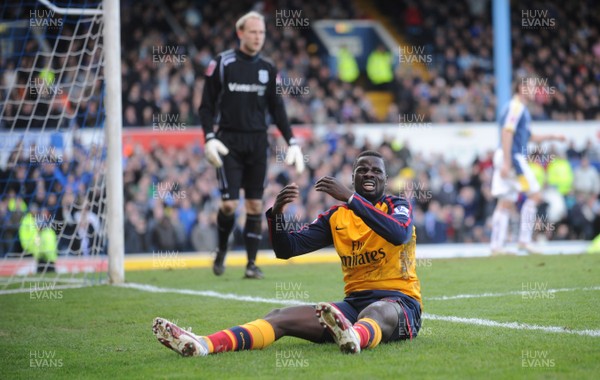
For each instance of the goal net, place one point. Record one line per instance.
(53, 212)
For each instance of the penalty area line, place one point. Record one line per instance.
(453, 319)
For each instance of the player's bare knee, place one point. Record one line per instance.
(254, 206)
(385, 314)
(273, 314)
(229, 207)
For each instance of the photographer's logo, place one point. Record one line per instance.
(543, 155)
(45, 87)
(295, 87)
(162, 54)
(536, 291)
(44, 359)
(415, 190)
(168, 190)
(289, 222)
(281, 153)
(167, 122)
(533, 86)
(44, 19)
(537, 19)
(44, 291)
(41, 154)
(413, 121)
(290, 291)
(414, 54)
(167, 260)
(290, 359)
(536, 359)
(291, 18)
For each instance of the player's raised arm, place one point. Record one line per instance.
(395, 226)
(289, 242)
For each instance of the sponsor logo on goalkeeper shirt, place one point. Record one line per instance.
(245, 87)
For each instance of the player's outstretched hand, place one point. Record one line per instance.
(295, 157)
(334, 188)
(213, 149)
(287, 195)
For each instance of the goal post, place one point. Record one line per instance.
(113, 135)
(61, 185)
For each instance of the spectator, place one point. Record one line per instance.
(586, 179)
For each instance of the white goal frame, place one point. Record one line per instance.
(112, 130)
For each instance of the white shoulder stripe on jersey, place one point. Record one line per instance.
(515, 111)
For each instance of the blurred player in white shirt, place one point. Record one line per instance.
(512, 173)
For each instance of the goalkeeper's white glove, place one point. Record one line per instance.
(212, 149)
(294, 156)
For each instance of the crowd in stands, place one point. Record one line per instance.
(456, 39)
(172, 194)
(52, 203)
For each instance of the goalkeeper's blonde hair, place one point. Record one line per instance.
(239, 25)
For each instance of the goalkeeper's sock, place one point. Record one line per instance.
(225, 226)
(253, 335)
(369, 332)
(252, 235)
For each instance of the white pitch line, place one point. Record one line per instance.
(210, 293)
(43, 288)
(473, 321)
(510, 325)
(513, 293)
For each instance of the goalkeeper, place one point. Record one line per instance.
(374, 237)
(240, 89)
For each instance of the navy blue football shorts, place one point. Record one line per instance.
(408, 309)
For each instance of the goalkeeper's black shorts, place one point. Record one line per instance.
(245, 166)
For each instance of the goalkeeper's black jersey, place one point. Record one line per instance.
(239, 92)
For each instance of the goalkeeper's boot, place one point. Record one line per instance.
(340, 328)
(179, 340)
(219, 263)
(252, 271)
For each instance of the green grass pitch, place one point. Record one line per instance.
(104, 332)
